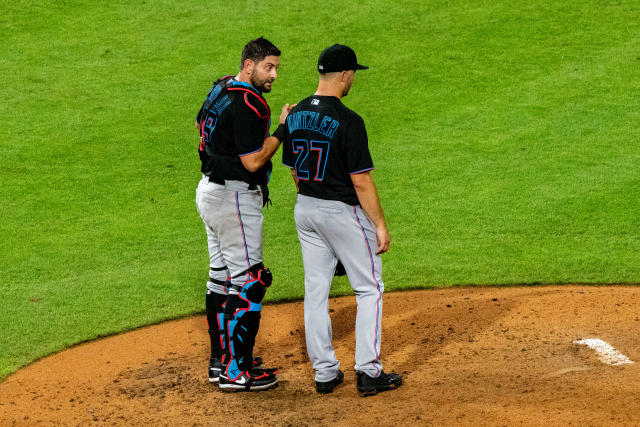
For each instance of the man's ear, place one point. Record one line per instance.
(248, 65)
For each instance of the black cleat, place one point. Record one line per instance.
(257, 363)
(215, 367)
(253, 380)
(327, 387)
(368, 386)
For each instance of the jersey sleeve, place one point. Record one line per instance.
(250, 123)
(358, 158)
(287, 152)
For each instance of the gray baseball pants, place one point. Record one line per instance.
(233, 219)
(329, 231)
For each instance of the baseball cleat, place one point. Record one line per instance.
(257, 363)
(253, 380)
(215, 367)
(328, 386)
(368, 386)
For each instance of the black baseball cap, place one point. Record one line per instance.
(338, 58)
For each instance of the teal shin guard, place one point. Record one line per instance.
(243, 312)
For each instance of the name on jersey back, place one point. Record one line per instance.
(313, 121)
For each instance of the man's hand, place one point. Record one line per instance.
(368, 198)
(286, 109)
(384, 240)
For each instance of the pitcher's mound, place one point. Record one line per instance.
(467, 355)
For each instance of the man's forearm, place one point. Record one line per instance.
(368, 197)
(370, 202)
(295, 178)
(254, 161)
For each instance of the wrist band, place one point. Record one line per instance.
(279, 132)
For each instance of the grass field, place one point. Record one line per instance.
(505, 137)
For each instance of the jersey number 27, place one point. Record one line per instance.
(311, 155)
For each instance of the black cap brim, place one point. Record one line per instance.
(361, 67)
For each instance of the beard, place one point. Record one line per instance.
(263, 86)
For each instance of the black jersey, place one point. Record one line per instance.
(234, 121)
(325, 142)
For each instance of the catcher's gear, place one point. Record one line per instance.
(242, 314)
(216, 165)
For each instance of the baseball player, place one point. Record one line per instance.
(339, 219)
(235, 151)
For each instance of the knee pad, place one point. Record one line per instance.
(260, 278)
(262, 274)
(254, 292)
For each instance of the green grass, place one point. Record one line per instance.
(504, 135)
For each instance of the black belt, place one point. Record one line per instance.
(216, 180)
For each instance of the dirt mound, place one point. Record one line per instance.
(468, 356)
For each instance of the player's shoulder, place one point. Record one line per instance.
(343, 110)
(349, 116)
(248, 99)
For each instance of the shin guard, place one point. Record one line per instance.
(242, 315)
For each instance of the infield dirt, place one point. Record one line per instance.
(491, 356)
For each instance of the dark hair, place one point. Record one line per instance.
(258, 49)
